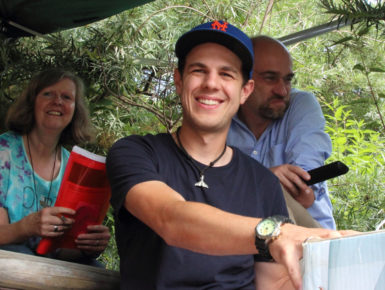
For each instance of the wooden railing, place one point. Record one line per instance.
(20, 271)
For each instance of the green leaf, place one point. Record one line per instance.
(363, 31)
(376, 69)
(342, 40)
(359, 67)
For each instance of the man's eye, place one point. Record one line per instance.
(227, 74)
(271, 79)
(288, 80)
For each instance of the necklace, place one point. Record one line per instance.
(201, 182)
(44, 201)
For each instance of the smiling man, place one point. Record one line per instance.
(187, 205)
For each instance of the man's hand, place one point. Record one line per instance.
(287, 248)
(291, 178)
(272, 276)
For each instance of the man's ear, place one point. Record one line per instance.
(178, 82)
(247, 89)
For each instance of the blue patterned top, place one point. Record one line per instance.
(18, 194)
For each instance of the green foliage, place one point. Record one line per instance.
(363, 151)
(360, 12)
(110, 256)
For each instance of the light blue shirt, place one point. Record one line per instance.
(298, 139)
(20, 193)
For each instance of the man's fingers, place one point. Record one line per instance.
(288, 184)
(291, 177)
(290, 261)
(289, 258)
(303, 174)
(348, 232)
(295, 276)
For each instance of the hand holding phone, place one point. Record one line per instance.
(325, 172)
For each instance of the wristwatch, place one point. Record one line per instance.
(266, 231)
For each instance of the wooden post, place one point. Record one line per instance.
(21, 271)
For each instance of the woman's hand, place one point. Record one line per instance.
(50, 222)
(94, 241)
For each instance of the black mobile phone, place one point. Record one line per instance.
(327, 171)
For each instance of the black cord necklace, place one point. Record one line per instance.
(43, 200)
(201, 182)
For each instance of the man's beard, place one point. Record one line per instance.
(274, 114)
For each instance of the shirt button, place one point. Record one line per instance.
(255, 152)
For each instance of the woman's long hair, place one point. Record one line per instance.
(21, 115)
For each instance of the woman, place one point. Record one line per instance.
(49, 114)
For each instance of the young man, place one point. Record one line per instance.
(187, 205)
(283, 128)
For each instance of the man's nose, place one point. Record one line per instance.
(211, 80)
(281, 88)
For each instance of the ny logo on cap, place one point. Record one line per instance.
(218, 26)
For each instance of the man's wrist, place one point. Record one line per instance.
(267, 230)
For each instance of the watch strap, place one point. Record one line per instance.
(263, 249)
(283, 219)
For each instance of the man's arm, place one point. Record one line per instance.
(307, 147)
(191, 225)
(205, 229)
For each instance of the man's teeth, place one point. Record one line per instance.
(208, 102)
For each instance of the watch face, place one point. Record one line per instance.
(266, 227)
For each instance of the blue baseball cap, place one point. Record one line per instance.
(220, 32)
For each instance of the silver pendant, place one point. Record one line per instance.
(44, 202)
(201, 183)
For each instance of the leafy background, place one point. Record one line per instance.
(127, 62)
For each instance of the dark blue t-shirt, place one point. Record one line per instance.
(241, 187)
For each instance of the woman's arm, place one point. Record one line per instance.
(10, 233)
(41, 223)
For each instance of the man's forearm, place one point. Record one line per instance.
(191, 225)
